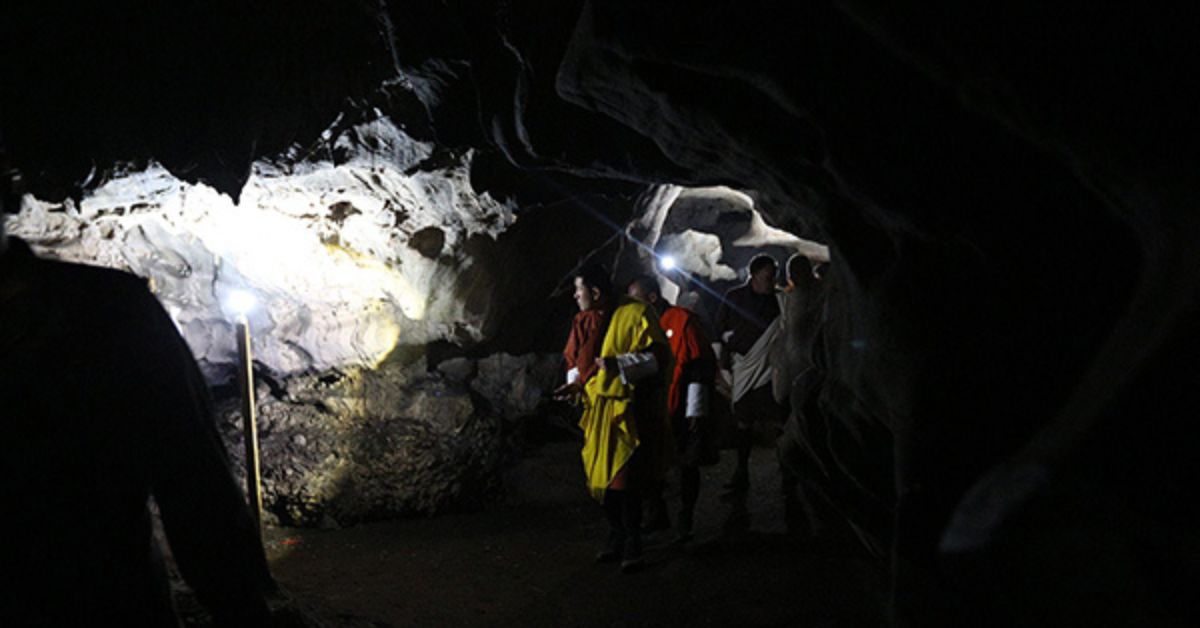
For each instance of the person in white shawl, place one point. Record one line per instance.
(747, 325)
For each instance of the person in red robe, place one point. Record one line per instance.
(581, 357)
(593, 295)
(687, 400)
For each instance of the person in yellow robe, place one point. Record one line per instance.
(627, 444)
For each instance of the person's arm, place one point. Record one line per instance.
(213, 538)
(589, 348)
(635, 367)
(571, 349)
(573, 385)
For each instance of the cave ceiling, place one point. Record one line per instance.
(205, 88)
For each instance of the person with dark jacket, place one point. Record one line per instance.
(102, 408)
(747, 323)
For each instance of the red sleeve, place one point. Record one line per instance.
(694, 358)
(583, 345)
(571, 351)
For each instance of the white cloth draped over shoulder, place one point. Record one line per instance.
(753, 369)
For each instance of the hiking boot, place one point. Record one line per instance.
(631, 561)
(612, 550)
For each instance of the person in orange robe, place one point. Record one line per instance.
(687, 401)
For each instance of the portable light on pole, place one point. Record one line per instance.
(241, 302)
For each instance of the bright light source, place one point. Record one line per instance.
(667, 262)
(240, 301)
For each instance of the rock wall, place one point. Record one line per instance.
(359, 444)
(349, 256)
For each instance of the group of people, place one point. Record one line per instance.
(645, 371)
(104, 409)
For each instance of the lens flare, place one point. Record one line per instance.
(241, 302)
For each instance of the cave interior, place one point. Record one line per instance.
(1000, 413)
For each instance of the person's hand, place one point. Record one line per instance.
(723, 385)
(616, 419)
(568, 392)
(693, 424)
(609, 364)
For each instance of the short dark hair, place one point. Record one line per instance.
(648, 284)
(596, 276)
(761, 261)
(799, 267)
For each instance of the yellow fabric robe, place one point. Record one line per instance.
(609, 425)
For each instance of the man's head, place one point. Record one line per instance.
(800, 271)
(645, 288)
(592, 287)
(762, 274)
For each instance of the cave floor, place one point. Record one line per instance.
(529, 562)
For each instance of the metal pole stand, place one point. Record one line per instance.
(249, 421)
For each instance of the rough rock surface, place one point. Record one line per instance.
(360, 444)
(348, 259)
(516, 385)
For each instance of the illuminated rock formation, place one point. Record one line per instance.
(347, 260)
